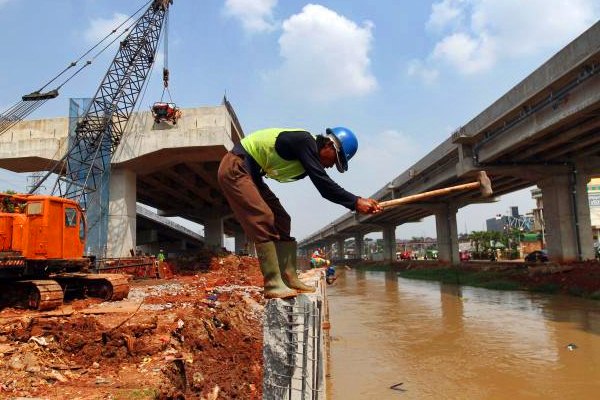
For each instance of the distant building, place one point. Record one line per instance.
(594, 198)
(502, 223)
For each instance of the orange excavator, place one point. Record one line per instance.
(43, 237)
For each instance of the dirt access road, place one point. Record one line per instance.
(196, 336)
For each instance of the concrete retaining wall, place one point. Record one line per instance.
(294, 344)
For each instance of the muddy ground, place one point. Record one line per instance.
(196, 336)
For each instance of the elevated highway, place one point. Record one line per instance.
(544, 131)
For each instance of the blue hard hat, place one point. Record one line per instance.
(345, 143)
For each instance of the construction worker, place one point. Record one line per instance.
(318, 260)
(161, 256)
(285, 155)
(330, 274)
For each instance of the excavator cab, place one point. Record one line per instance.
(166, 112)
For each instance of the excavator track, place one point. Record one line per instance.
(41, 294)
(104, 286)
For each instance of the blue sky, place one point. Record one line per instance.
(402, 74)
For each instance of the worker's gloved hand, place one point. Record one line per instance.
(367, 206)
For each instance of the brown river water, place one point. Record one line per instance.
(450, 342)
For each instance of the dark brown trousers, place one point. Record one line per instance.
(255, 207)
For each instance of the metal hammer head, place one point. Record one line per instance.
(485, 185)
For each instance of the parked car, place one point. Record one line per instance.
(537, 256)
(404, 255)
(464, 255)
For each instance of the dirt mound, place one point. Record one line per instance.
(579, 278)
(194, 336)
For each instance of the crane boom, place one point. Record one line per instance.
(101, 128)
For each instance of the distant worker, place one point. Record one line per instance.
(330, 275)
(318, 260)
(161, 256)
(285, 155)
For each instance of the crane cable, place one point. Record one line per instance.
(166, 59)
(74, 63)
(31, 102)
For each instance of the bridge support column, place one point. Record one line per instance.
(359, 245)
(447, 234)
(389, 243)
(213, 233)
(340, 249)
(121, 213)
(568, 230)
(241, 243)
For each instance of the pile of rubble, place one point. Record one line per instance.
(196, 336)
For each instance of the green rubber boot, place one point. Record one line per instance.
(274, 288)
(286, 253)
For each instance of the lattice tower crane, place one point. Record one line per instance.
(99, 132)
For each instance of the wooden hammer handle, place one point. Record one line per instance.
(426, 195)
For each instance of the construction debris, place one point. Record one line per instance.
(196, 336)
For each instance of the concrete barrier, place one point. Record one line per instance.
(294, 354)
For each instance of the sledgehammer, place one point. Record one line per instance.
(483, 184)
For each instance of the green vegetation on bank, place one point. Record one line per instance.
(484, 279)
(505, 279)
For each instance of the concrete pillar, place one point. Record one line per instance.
(568, 230)
(584, 218)
(241, 243)
(340, 249)
(389, 243)
(121, 213)
(447, 234)
(359, 245)
(213, 233)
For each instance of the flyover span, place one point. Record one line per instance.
(545, 131)
(172, 168)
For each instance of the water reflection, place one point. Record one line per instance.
(449, 342)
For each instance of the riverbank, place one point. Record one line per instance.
(575, 279)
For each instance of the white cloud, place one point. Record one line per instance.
(444, 14)
(418, 69)
(466, 53)
(100, 27)
(325, 56)
(380, 158)
(255, 15)
(475, 35)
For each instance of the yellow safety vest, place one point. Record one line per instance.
(261, 146)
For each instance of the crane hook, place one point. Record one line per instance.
(166, 77)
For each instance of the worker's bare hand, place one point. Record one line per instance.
(367, 206)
